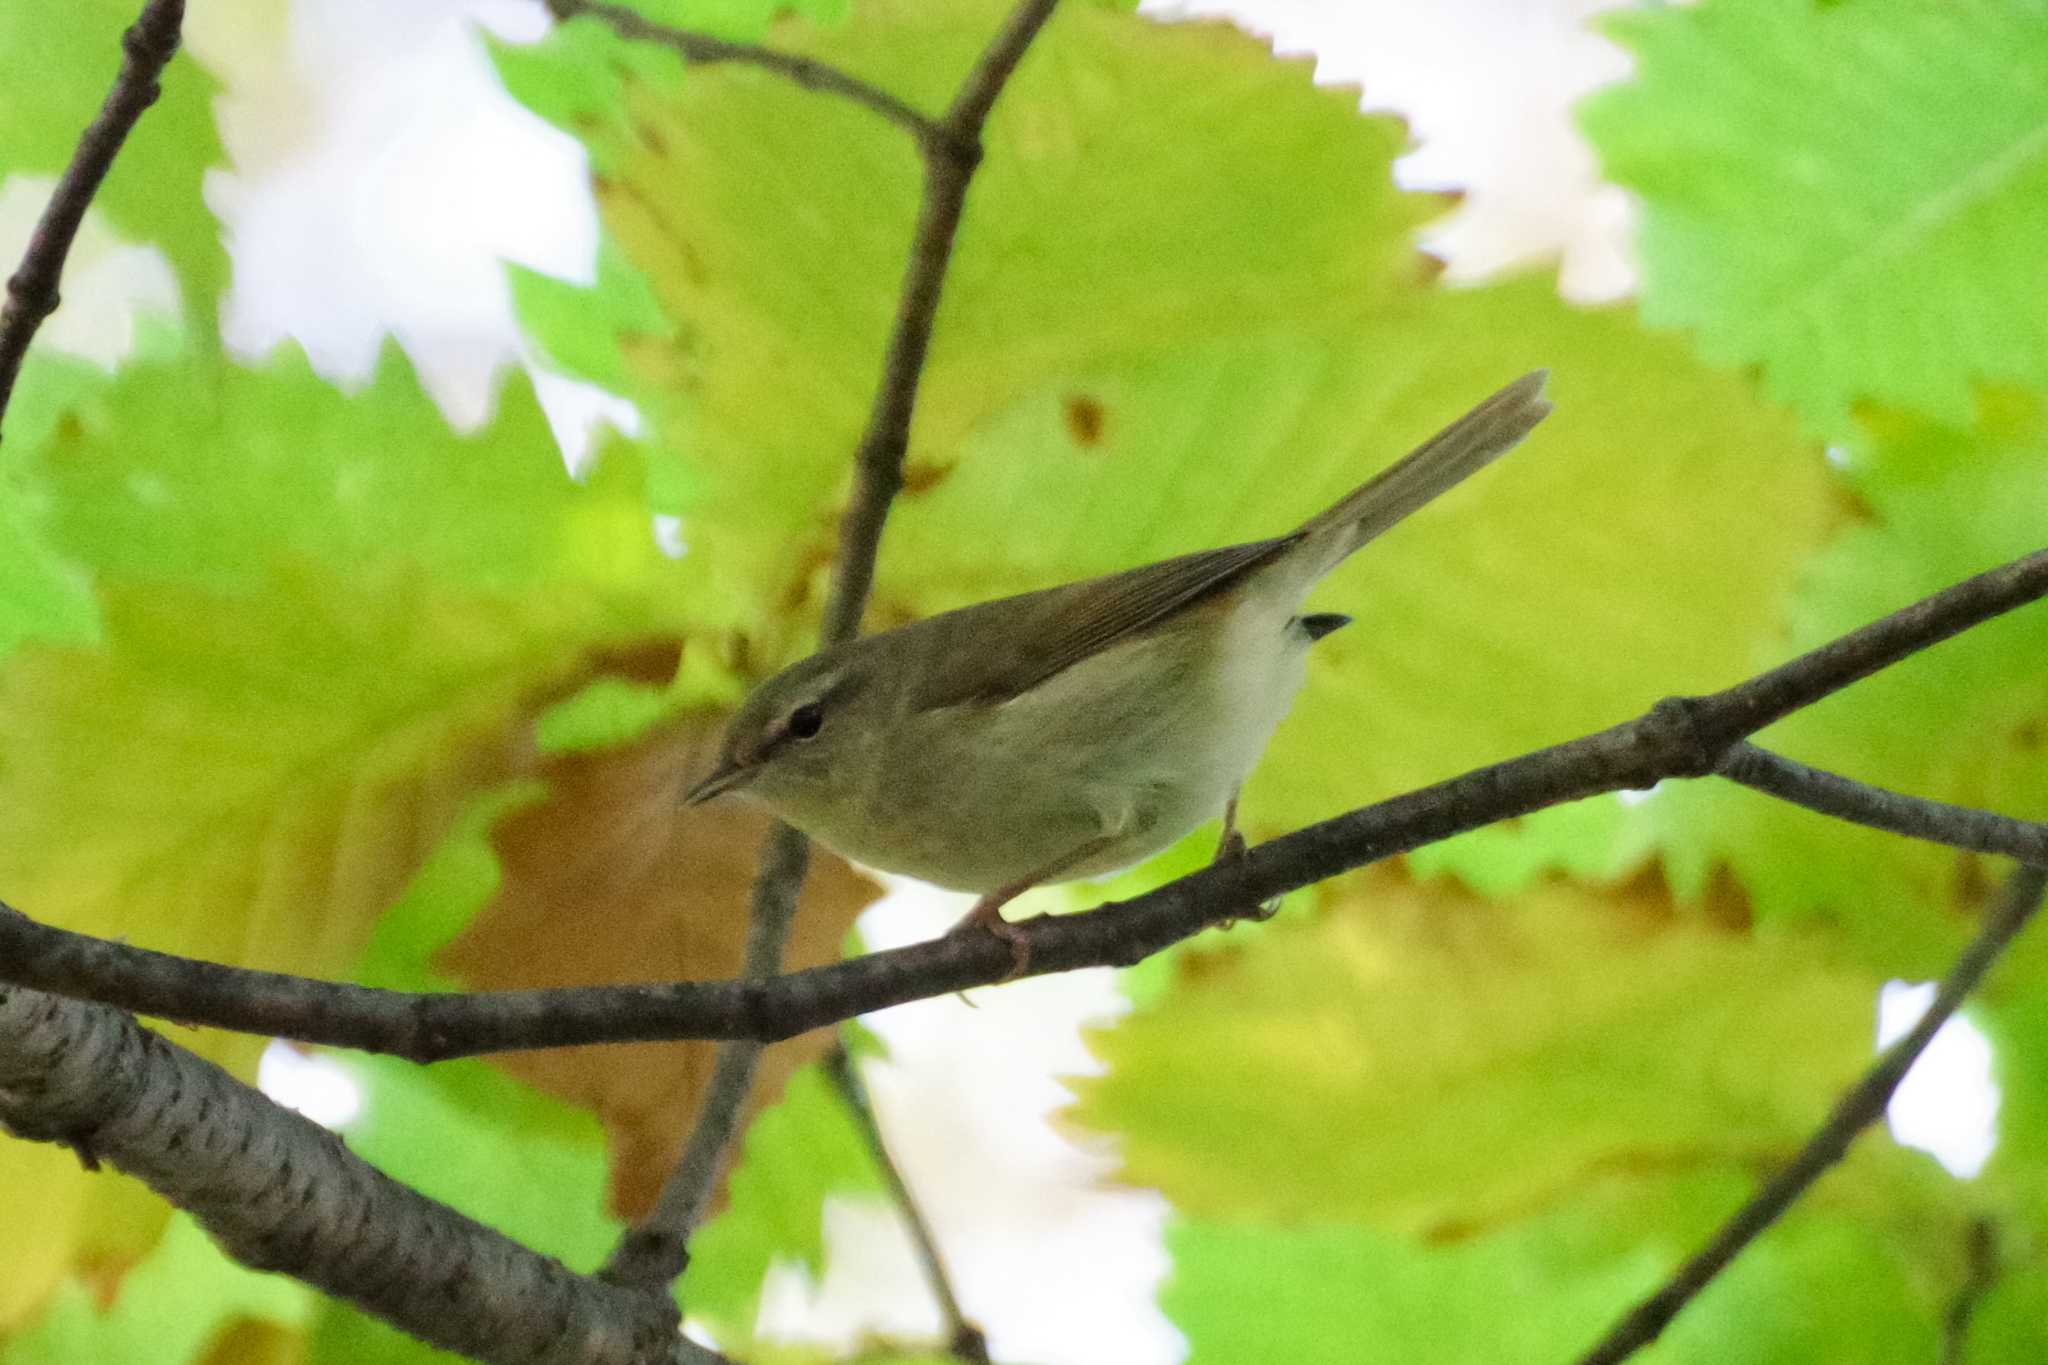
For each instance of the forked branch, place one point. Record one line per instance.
(709, 50)
(656, 1251)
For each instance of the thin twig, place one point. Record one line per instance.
(1677, 738)
(706, 49)
(950, 160)
(964, 1340)
(1980, 1279)
(1862, 1105)
(657, 1251)
(280, 1193)
(1916, 817)
(146, 48)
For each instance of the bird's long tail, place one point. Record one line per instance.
(1454, 454)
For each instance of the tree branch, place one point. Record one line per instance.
(951, 158)
(707, 50)
(1862, 1105)
(146, 48)
(1860, 803)
(656, 1252)
(965, 1342)
(1980, 1279)
(280, 1193)
(1680, 737)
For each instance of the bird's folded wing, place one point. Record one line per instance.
(1045, 633)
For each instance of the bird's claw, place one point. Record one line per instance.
(1231, 849)
(987, 915)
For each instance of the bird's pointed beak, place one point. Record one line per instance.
(724, 778)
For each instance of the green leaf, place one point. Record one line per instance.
(1141, 354)
(455, 881)
(2014, 1016)
(1818, 1287)
(1966, 721)
(584, 330)
(576, 76)
(1847, 195)
(1343, 1294)
(1607, 537)
(1451, 1062)
(467, 1135)
(327, 621)
(1814, 1289)
(280, 762)
(94, 1226)
(2011, 1321)
(168, 1309)
(327, 627)
(192, 472)
(771, 226)
(608, 712)
(53, 79)
(41, 597)
(798, 1154)
(51, 385)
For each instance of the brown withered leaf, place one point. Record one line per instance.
(611, 879)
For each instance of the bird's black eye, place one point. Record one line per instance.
(806, 720)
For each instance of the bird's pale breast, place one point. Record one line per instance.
(1139, 745)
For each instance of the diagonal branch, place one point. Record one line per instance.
(965, 1342)
(707, 50)
(1861, 1106)
(1680, 737)
(951, 159)
(280, 1193)
(1982, 1277)
(146, 48)
(1916, 817)
(656, 1252)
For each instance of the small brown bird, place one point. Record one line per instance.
(1075, 730)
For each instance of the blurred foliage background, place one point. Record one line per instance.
(317, 655)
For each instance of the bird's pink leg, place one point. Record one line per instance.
(988, 911)
(1232, 847)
